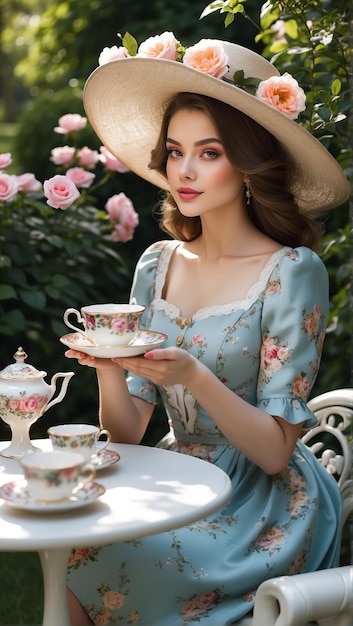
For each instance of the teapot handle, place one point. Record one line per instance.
(66, 376)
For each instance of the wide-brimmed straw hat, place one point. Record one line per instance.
(125, 100)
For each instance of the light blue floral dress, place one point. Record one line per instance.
(267, 350)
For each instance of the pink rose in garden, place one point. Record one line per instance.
(63, 155)
(8, 187)
(162, 46)
(87, 157)
(27, 183)
(5, 160)
(207, 56)
(282, 93)
(81, 177)
(111, 162)
(112, 54)
(124, 217)
(60, 191)
(70, 123)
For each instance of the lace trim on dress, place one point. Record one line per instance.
(171, 310)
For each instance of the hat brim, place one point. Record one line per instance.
(125, 100)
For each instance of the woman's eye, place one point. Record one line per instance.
(173, 152)
(210, 154)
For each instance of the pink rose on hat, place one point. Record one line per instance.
(282, 93)
(112, 54)
(164, 46)
(207, 56)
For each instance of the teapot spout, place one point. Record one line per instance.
(66, 376)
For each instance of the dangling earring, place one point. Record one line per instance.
(247, 191)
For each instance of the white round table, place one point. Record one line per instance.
(148, 491)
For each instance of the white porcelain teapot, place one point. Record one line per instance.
(24, 397)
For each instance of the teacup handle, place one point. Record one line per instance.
(89, 473)
(105, 444)
(79, 319)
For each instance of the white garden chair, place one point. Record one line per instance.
(323, 598)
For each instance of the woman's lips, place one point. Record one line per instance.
(186, 193)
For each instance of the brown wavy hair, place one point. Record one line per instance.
(253, 151)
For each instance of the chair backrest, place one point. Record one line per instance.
(331, 439)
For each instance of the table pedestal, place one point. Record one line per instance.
(54, 566)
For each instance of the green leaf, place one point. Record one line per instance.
(336, 87)
(291, 28)
(14, 321)
(55, 241)
(59, 281)
(7, 292)
(130, 43)
(5, 261)
(228, 19)
(35, 299)
(53, 293)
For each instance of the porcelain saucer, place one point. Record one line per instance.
(16, 494)
(104, 458)
(145, 340)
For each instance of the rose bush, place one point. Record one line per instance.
(61, 244)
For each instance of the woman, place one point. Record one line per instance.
(243, 298)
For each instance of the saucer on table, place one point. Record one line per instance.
(145, 340)
(104, 458)
(16, 494)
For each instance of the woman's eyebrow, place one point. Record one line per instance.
(197, 143)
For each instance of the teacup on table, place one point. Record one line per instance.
(54, 476)
(79, 438)
(107, 324)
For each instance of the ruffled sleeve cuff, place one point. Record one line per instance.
(293, 411)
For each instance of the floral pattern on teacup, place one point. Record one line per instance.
(118, 324)
(74, 442)
(52, 477)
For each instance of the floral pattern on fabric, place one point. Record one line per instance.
(266, 349)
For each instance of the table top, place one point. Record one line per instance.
(149, 490)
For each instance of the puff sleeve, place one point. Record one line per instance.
(293, 327)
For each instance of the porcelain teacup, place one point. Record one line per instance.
(54, 476)
(79, 438)
(107, 324)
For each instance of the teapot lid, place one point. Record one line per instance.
(20, 369)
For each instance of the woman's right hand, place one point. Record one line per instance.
(91, 361)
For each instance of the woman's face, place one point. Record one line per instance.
(200, 176)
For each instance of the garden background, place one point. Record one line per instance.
(52, 259)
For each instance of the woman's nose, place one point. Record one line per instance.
(187, 170)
